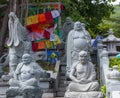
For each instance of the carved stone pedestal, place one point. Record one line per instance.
(27, 93)
(94, 94)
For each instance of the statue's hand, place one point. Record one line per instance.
(77, 81)
(89, 80)
(83, 80)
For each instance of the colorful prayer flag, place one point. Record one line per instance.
(41, 45)
(58, 41)
(42, 18)
(48, 43)
(32, 20)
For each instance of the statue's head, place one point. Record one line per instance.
(68, 20)
(12, 16)
(83, 57)
(83, 25)
(78, 26)
(26, 58)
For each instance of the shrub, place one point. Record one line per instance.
(103, 90)
(115, 62)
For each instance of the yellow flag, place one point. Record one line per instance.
(32, 20)
(48, 43)
(58, 41)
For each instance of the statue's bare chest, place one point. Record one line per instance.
(81, 68)
(26, 72)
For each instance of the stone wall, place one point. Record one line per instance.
(108, 76)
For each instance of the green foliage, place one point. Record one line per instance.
(47, 65)
(89, 12)
(6, 69)
(103, 90)
(115, 61)
(112, 22)
(115, 20)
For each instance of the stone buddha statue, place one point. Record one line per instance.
(83, 76)
(78, 39)
(26, 79)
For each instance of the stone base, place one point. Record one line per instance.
(19, 97)
(48, 95)
(93, 94)
(26, 93)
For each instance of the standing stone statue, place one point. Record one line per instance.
(67, 26)
(78, 39)
(18, 42)
(83, 76)
(26, 79)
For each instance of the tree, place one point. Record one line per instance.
(3, 29)
(91, 12)
(113, 21)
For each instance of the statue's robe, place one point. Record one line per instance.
(84, 89)
(87, 72)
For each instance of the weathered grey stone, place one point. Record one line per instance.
(6, 77)
(26, 79)
(109, 76)
(83, 76)
(44, 85)
(114, 74)
(40, 55)
(48, 95)
(78, 39)
(67, 26)
(112, 43)
(115, 94)
(83, 95)
(4, 61)
(18, 42)
(1, 71)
